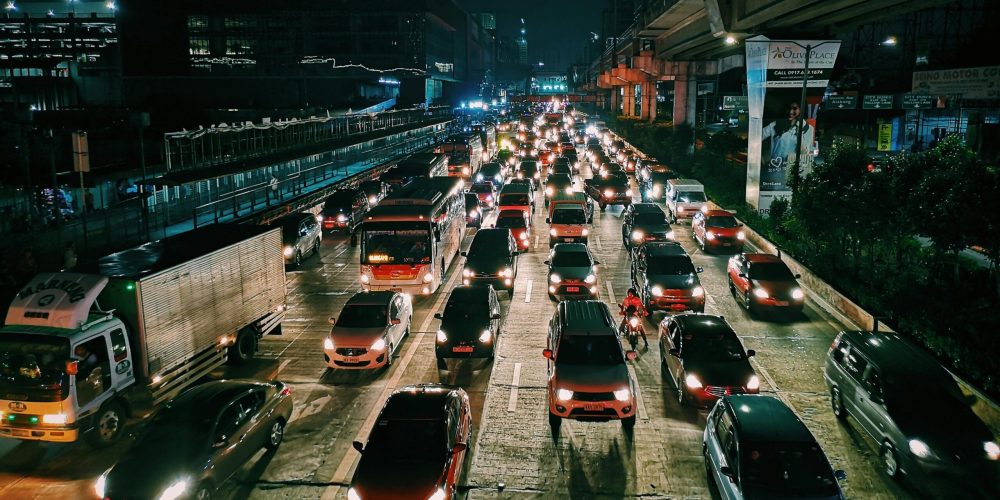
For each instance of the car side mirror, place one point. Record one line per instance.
(726, 471)
(751, 353)
(331, 320)
(459, 447)
(358, 446)
(548, 220)
(699, 269)
(547, 353)
(546, 262)
(438, 316)
(495, 316)
(742, 275)
(395, 321)
(840, 475)
(675, 353)
(797, 276)
(631, 355)
(464, 254)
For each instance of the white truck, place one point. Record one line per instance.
(80, 353)
(684, 197)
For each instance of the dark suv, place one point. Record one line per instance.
(644, 222)
(666, 279)
(470, 325)
(491, 259)
(916, 413)
(345, 210)
(705, 358)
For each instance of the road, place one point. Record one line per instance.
(514, 452)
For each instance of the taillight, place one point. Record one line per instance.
(286, 391)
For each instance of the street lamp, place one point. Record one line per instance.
(9, 6)
(730, 40)
(890, 41)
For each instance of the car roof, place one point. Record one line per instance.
(585, 317)
(763, 419)
(646, 208)
(372, 298)
(663, 248)
(418, 402)
(760, 258)
(570, 248)
(469, 293)
(212, 395)
(703, 321)
(891, 352)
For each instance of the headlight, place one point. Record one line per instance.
(919, 448)
(467, 273)
(378, 345)
(363, 278)
(692, 381)
(465, 170)
(754, 383)
(697, 291)
(523, 236)
(992, 450)
(657, 291)
(319, 218)
(760, 293)
(564, 394)
(538, 175)
(288, 251)
(680, 209)
(473, 213)
(590, 279)
(797, 294)
(553, 232)
(584, 232)
(637, 235)
(548, 191)
(633, 321)
(569, 190)
(328, 344)
(341, 218)
(441, 336)
(485, 336)
(704, 209)
(101, 484)
(622, 394)
(709, 235)
(54, 418)
(372, 200)
(628, 192)
(608, 193)
(741, 236)
(352, 494)
(555, 278)
(670, 235)
(428, 278)
(438, 495)
(507, 272)
(175, 490)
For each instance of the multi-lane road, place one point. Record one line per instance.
(514, 453)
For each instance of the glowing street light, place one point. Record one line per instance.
(110, 5)
(890, 41)
(9, 6)
(730, 40)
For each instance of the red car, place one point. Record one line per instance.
(717, 229)
(519, 224)
(487, 194)
(763, 282)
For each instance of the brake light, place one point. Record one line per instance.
(286, 391)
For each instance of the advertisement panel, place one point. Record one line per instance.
(970, 83)
(775, 71)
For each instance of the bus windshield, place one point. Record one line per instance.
(396, 243)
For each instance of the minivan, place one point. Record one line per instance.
(684, 197)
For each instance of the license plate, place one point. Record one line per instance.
(397, 290)
(781, 303)
(593, 407)
(572, 289)
(462, 348)
(352, 359)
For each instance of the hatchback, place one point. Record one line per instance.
(368, 331)
(716, 230)
(763, 282)
(470, 324)
(300, 235)
(572, 272)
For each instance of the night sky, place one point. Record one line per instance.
(557, 29)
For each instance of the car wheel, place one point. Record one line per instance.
(316, 247)
(837, 403)
(204, 492)
(108, 425)
(275, 435)
(244, 348)
(441, 364)
(889, 461)
(298, 258)
(628, 424)
(555, 421)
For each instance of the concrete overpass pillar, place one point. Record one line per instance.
(692, 101)
(680, 101)
(629, 104)
(616, 99)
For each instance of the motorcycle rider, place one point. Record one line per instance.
(632, 301)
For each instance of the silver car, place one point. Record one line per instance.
(369, 330)
(301, 235)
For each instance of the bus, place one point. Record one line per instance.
(414, 166)
(465, 154)
(409, 239)
(488, 135)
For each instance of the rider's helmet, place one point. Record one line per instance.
(632, 292)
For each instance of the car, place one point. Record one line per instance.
(517, 196)
(519, 223)
(487, 193)
(610, 190)
(300, 235)
(369, 330)
(557, 183)
(763, 282)
(470, 324)
(492, 172)
(573, 158)
(705, 358)
(197, 440)
(562, 165)
(630, 162)
(530, 170)
(588, 378)
(418, 447)
(375, 190)
(644, 223)
(919, 418)
(568, 224)
(717, 229)
(757, 447)
(656, 175)
(492, 259)
(666, 279)
(474, 212)
(572, 272)
(345, 210)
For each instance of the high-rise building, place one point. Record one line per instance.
(486, 20)
(522, 44)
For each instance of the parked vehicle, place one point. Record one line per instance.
(684, 198)
(369, 329)
(916, 413)
(195, 442)
(756, 447)
(705, 358)
(300, 235)
(666, 278)
(492, 259)
(763, 282)
(717, 229)
(470, 325)
(572, 272)
(93, 364)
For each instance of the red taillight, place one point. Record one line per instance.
(286, 391)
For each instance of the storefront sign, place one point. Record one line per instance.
(885, 137)
(970, 83)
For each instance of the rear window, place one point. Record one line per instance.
(514, 199)
(569, 216)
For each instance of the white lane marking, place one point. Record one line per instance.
(535, 244)
(350, 458)
(513, 388)
(640, 402)
(597, 243)
(611, 292)
(527, 292)
(281, 366)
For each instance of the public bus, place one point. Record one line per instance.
(488, 135)
(409, 239)
(465, 154)
(414, 166)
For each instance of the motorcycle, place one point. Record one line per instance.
(632, 328)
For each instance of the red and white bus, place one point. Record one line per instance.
(465, 154)
(409, 239)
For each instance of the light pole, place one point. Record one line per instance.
(794, 181)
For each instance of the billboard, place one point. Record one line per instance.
(775, 70)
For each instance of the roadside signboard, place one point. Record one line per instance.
(877, 101)
(842, 102)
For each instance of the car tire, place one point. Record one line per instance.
(275, 435)
(441, 364)
(555, 421)
(316, 247)
(837, 404)
(388, 356)
(628, 423)
(108, 425)
(890, 461)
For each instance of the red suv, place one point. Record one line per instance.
(762, 281)
(717, 229)
(519, 224)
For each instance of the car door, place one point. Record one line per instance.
(395, 331)
(303, 243)
(673, 342)
(856, 396)
(875, 414)
(225, 441)
(739, 274)
(721, 442)
(627, 225)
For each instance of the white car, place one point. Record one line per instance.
(370, 328)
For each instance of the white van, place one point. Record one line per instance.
(684, 197)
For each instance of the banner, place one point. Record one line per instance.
(970, 83)
(775, 71)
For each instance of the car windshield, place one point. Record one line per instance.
(723, 221)
(650, 218)
(569, 216)
(691, 197)
(770, 271)
(571, 259)
(482, 188)
(401, 440)
(32, 361)
(719, 345)
(515, 199)
(589, 350)
(671, 264)
(362, 316)
(511, 222)
(395, 243)
(785, 470)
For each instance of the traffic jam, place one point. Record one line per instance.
(532, 307)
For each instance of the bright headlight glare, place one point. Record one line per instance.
(378, 345)
(608, 193)
(569, 190)
(507, 272)
(466, 273)
(174, 491)
(553, 232)
(628, 192)
(54, 418)
(634, 321)
(352, 494)
(741, 235)
(564, 394)
(485, 336)
(364, 278)
(637, 235)
(670, 235)
(549, 191)
(760, 293)
(441, 336)
(754, 383)
(342, 218)
(992, 450)
(622, 394)
(100, 486)
(438, 495)
(709, 235)
(590, 279)
(697, 291)
(584, 232)
(428, 278)
(797, 294)
(555, 278)
(919, 448)
(328, 344)
(523, 235)
(692, 381)
(288, 251)
(657, 291)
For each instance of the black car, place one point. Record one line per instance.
(470, 324)
(492, 172)
(199, 439)
(529, 170)
(705, 359)
(473, 210)
(492, 259)
(610, 190)
(375, 190)
(557, 183)
(666, 279)
(643, 223)
(345, 210)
